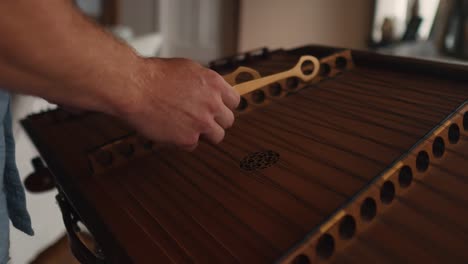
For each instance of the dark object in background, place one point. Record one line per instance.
(41, 180)
(412, 29)
(457, 35)
(450, 29)
(410, 34)
(388, 32)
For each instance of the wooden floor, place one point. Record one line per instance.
(59, 252)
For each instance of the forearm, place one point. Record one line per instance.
(50, 50)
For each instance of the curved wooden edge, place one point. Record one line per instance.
(329, 229)
(103, 236)
(231, 77)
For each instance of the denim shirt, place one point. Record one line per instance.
(12, 196)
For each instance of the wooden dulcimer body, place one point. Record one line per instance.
(365, 163)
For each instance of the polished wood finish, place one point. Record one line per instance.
(293, 168)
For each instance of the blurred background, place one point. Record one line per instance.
(205, 30)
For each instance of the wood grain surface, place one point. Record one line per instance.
(282, 170)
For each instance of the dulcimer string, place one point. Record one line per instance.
(415, 120)
(427, 213)
(322, 109)
(401, 199)
(361, 116)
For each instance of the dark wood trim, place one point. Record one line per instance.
(456, 72)
(453, 71)
(113, 251)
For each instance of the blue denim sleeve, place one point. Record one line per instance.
(4, 226)
(15, 194)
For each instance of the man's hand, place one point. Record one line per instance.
(178, 101)
(75, 63)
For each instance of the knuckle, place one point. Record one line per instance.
(213, 106)
(212, 75)
(215, 80)
(204, 122)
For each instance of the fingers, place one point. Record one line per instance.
(214, 131)
(225, 118)
(230, 96)
(210, 129)
(214, 134)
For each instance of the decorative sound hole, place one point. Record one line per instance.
(307, 67)
(347, 227)
(465, 121)
(438, 147)
(325, 246)
(259, 160)
(325, 69)
(292, 82)
(258, 96)
(405, 177)
(341, 62)
(242, 105)
(454, 134)
(387, 192)
(275, 89)
(368, 209)
(244, 77)
(422, 161)
(301, 259)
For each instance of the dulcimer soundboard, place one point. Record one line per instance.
(336, 156)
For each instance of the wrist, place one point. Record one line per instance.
(123, 95)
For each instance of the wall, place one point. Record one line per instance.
(141, 16)
(279, 23)
(202, 30)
